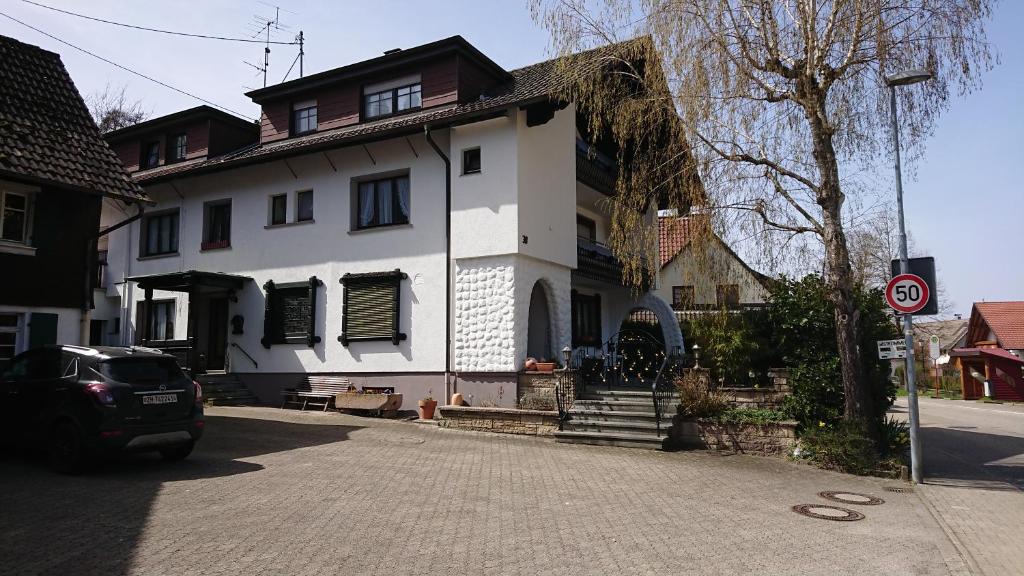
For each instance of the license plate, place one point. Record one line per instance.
(160, 399)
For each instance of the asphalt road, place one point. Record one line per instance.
(973, 457)
(972, 444)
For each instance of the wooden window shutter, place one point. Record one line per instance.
(371, 306)
(289, 315)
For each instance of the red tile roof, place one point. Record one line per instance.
(1006, 320)
(674, 233)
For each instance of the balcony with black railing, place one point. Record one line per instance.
(595, 261)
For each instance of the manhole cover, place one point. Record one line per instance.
(828, 512)
(850, 498)
(898, 489)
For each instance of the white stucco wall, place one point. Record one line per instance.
(705, 268)
(68, 323)
(492, 303)
(547, 188)
(486, 201)
(326, 248)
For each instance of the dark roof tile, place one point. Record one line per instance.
(46, 133)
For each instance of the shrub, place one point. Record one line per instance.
(752, 416)
(734, 346)
(895, 437)
(697, 399)
(846, 447)
(803, 324)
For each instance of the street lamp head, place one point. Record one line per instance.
(908, 77)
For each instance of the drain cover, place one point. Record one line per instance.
(850, 498)
(898, 489)
(828, 512)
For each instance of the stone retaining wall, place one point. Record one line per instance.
(536, 391)
(500, 420)
(776, 439)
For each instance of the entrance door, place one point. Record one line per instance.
(217, 334)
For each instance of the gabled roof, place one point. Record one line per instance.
(677, 232)
(47, 136)
(1004, 319)
(177, 118)
(950, 332)
(528, 85)
(390, 60)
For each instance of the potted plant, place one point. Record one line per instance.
(427, 406)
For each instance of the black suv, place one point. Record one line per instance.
(79, 402)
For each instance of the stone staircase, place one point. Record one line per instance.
(614, 418)
(222, 389)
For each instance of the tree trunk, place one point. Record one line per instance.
(839, 279)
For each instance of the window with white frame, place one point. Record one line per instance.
(387, 102)
(383, 202)
(14, 223)
(10, 332)
(304, 117)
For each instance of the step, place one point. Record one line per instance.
(234, 401)
(615, 405)
(635, 426)
(621, 439)
(612, 415)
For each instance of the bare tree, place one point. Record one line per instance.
(112, 110)
(782, 101)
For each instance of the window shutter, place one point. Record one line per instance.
(42, 329)
(371, 306)
(289, 315)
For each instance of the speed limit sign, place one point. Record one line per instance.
(906, 293)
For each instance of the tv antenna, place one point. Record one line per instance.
(265, 26)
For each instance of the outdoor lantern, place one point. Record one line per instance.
(567, 354)
(696, 356)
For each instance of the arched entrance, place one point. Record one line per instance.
(538, 328)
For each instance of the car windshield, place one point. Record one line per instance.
(147, 370)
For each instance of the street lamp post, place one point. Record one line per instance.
(903, 79)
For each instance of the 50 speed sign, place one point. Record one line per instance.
(906, 293)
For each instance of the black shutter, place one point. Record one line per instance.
(289, 316)
(371, 306)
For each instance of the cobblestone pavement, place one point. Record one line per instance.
(974, 479)
(282, 492)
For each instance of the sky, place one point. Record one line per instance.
(964, 203)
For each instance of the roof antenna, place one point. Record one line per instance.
(264, 26)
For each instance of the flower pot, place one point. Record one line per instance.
(427, 408)
(545, 366)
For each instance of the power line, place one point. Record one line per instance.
(125, 68)
(172, 32)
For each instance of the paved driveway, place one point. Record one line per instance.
(276, 492)
(974, 479)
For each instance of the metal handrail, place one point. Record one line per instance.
(663, 388)
(565, 394)
(246, 354)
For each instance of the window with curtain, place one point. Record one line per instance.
(161, 320)
(160, 234)
(217, 225)
(382, 202)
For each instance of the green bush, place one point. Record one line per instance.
(846, 447)
(735, 346)
(752, 416)
(696, 399)
(803, 326)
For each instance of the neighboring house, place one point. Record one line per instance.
(699, 271)
(993, 350)
(951, 334)
(55, 170)
(381, 207)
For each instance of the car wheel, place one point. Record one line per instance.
(66, 449)
(175, 453)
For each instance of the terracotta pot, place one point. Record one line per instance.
(427, 408)
(545, 366)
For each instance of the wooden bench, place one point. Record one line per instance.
(316, 390)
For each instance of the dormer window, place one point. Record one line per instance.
(382, 103)
(304, 117)
(150, 155)
(178, 147)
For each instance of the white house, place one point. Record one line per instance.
(699, 271)
(410, 221)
